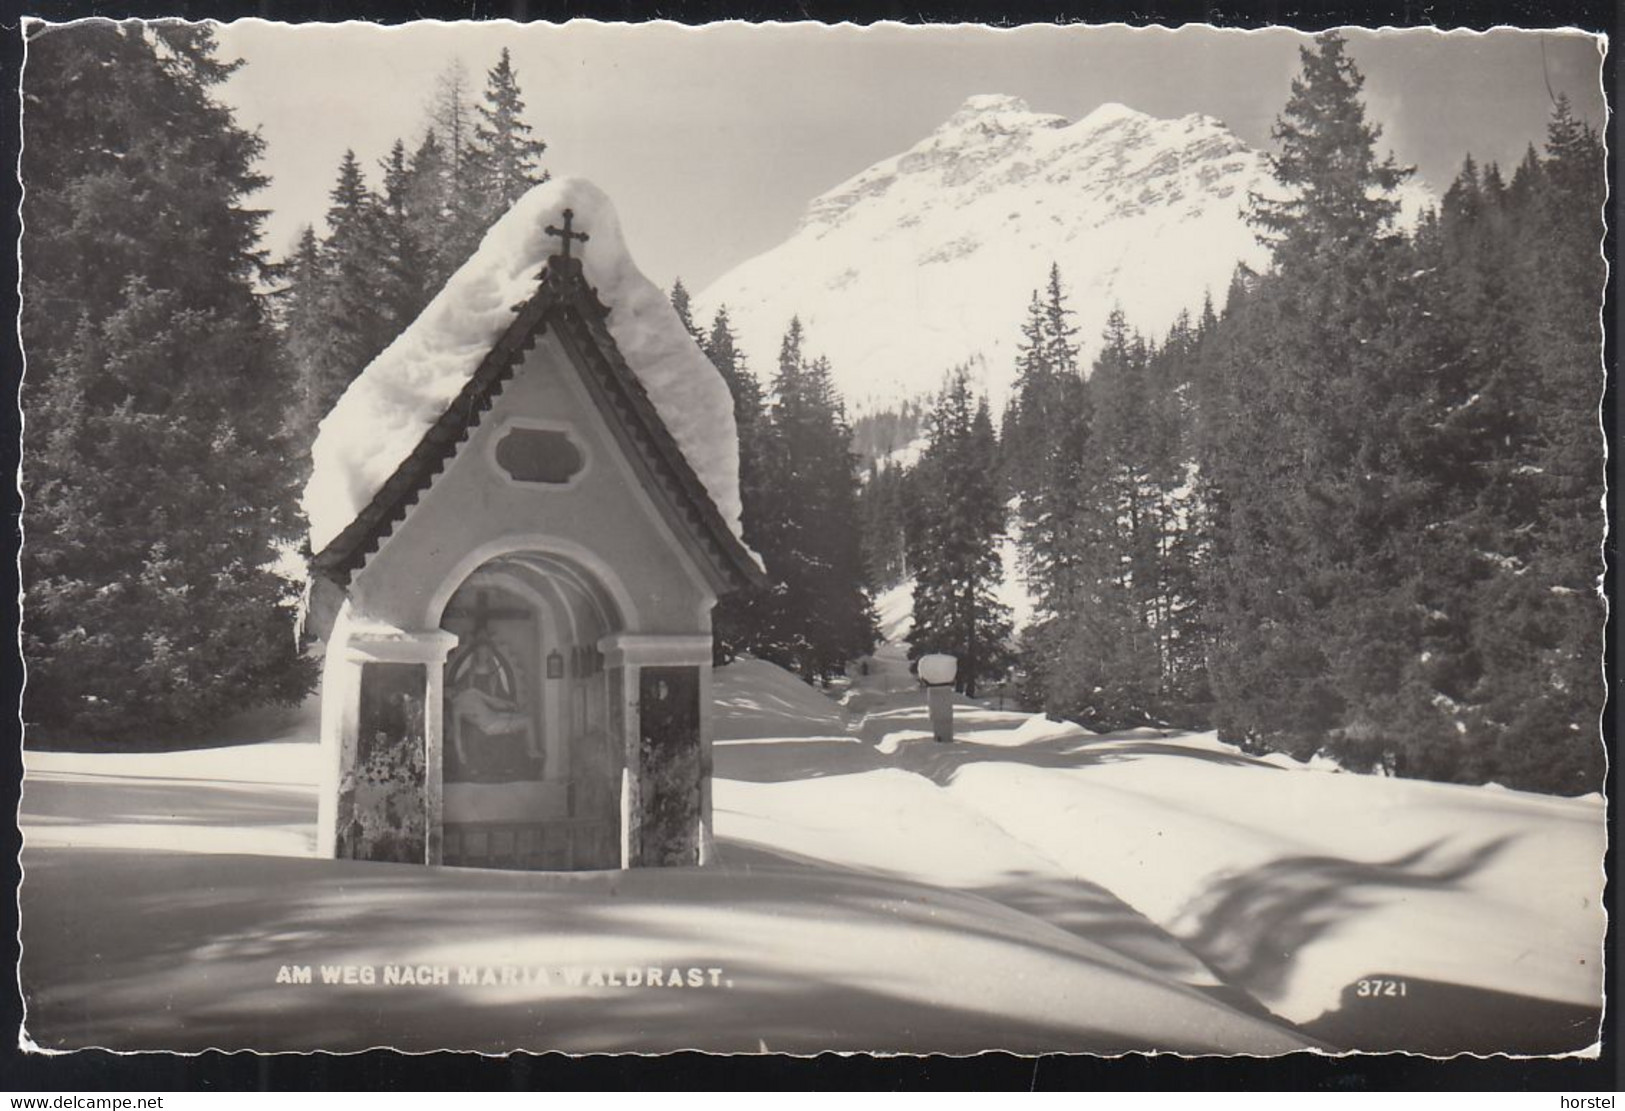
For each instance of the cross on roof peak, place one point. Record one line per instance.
(565, 233)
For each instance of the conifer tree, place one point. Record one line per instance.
(405, 254)
(359, 267)
(1110, 649)
(155, 483)
(466, 214)
(1340, 196)
(681, 301)
(845, 625)
(1350, 553)
(1060, 352)
(388, 253)
(722, 347)
(1518, 567)
(1051, 463)
(1121, 532)
(955, 522)
(303, 314)
(818, 615)
(738, 620)
(1570, 275)
(1032, 391)
(347, 316)
(1319, 487)
(1180, 521)
(506, 155)
(426, 202)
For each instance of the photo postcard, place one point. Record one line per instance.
(781, 538)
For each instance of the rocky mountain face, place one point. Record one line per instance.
(927, 260)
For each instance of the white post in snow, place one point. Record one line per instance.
(937, 672)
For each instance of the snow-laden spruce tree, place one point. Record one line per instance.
(1510, 278)
(1119, 641)
(737, 623)
(817, 615)
(506, 153)
(1046, 447)
(1402, 462)
(1338, 194)
(156, 482)
(1317, 466)
(344, 297)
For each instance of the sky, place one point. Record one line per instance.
(711, 141)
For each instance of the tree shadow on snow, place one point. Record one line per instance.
(1085, 910)
(140, 951)
(116, 799)
(1251, 926)
(969, 718)
(941, 763)
(1094, 913)
(783, 761)
(754, 714)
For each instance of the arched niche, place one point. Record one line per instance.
(531, 753)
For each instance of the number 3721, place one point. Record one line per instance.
(1372, 989)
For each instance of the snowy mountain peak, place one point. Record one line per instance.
(985, 128)
(1112, 113)
(926, 260)
(992, 102)
(996, 113)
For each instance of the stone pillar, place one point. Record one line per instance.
(382, 691)
(638, 665)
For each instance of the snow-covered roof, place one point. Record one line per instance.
(386, 412)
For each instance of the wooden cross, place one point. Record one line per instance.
(565, 233)
(483, 613)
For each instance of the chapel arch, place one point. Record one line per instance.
(543, 553)
(531, 756)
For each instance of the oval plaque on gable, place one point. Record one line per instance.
(539, 455)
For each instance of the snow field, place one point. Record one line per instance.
(1029, 887)
(804, 962)
(1290, 883)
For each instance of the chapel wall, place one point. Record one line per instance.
(604, 515)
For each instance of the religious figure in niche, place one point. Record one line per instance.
(493, 731)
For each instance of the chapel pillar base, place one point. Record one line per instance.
(661, 686)
(381, 742)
